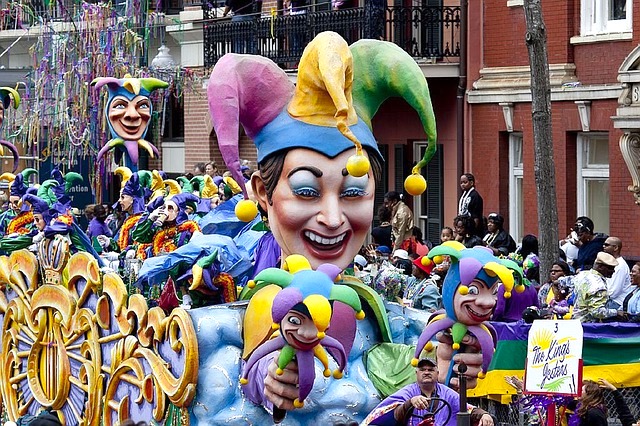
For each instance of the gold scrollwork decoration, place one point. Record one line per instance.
(73, 340)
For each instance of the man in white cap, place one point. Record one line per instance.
(590, 291)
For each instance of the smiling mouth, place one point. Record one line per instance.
(301, 344)
(130, 128)
(478, 316)
(324, 243)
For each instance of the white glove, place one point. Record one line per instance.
(38, 237)
(131, 254)
(156, 213)
(33, 248)
(103, 240)
(111, 256)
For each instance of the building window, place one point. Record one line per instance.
(605, 16)
(593, 178)
(516, 176)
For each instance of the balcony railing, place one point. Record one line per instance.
(431, 32)
(25, 13)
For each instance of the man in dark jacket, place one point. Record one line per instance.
(590, 243)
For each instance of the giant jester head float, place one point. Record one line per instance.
(469, 297)
(8, 97)
(129, 111)
(314, 140)
(302, 311)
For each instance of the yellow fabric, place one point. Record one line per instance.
(325, 78)
(257, 318)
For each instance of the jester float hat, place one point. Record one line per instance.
(309, 293)
(38, 205)
(133, 189)
(65, 183)
(9, 97)
(129, 132)
(19, 183)
(339, 90)
(181, 201)
(467, 266)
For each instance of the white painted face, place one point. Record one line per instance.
(171, 210)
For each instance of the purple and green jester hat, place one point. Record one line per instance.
(182, 200)
(133, 188)
(309, 293)
(42, 202)
(339, 90)
(128, 111)
(19, 182)
(9, 97)
(477, 264)
(65, 183)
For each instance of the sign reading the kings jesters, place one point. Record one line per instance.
(554, 358)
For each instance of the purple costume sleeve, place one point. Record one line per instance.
(95, 228)
(254, 389)
(267, 253)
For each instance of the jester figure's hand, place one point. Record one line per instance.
(469, 353)
(282, 389)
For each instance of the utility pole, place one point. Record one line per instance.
(536, 39)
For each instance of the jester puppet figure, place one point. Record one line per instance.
(129, 111)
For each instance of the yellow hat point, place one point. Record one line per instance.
(275, 326)
(360, 315)
(297, 403)
(338, 278)
(463, 290)
(426, 261)
(438, 259)
(507, 294)
(414, 362)
(246, 210)
(519, 288)
(415, 184)
(243, 381)
(251, 283)
(326, 372)
(481, 375)
(358, 165)
(428, 347)
(279, 371)
(321, 334)
(337, 374)
(455, 346)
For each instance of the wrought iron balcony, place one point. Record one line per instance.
(431, 32)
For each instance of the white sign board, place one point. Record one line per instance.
(554, 358)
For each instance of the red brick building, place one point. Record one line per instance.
(588, 42)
